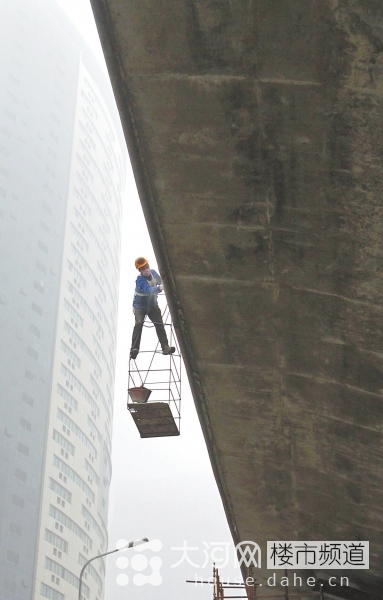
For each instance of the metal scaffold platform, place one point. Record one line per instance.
(154, 389)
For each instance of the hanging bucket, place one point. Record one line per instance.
(139, 394)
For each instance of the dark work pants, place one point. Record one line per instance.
(155, 316)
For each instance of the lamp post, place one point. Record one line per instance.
(130, 545)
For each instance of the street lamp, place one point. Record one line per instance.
(130, 545)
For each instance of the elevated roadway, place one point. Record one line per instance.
(255, 128)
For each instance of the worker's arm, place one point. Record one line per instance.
(157, 276)
(143, 287)
(159, 281)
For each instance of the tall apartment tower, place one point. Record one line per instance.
(62, 172)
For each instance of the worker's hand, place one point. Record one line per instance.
(161, 287)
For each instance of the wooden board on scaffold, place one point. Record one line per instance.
(153, 419)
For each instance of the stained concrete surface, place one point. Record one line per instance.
(255, 129)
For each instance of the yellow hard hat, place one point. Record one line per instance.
(140, 262)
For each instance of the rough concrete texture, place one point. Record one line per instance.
(256, 132)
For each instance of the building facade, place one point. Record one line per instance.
(62, 172)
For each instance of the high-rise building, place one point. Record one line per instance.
(62, 172)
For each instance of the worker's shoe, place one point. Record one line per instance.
(133, 353)
(168, 350)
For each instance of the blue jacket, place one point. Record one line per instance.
(149, 298)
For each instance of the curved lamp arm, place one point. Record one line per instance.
(129, 545)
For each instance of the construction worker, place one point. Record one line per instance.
(148, 285)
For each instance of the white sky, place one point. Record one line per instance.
(162, 488)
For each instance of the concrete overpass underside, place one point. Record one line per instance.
(255, 128)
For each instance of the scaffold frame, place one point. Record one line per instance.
(160, 414)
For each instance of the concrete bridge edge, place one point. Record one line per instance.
(146, 193)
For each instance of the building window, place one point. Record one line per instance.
(64, 573)
(48, 592)
(60, 490)
(13, 528)
(66, 469)
(43, 247)
(23, 449)
(39, 286)
(92, 473)
(29, 375)
(77, 431)
(60, 439)
(26, 424)
(74, 359)
(75, 316)
(68, 375)
(32, 353)
(28, 400)
(45, 227)
(56, 540)
(41, 267)
(19, 474)
(39, 311)
(67, 521)
(34, 330)
(68, 397)
(17, 501)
